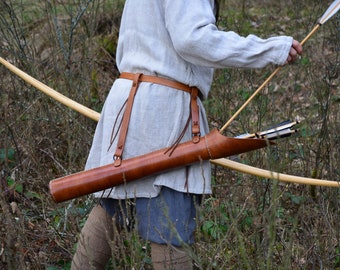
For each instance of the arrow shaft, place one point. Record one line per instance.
(245, 104)
(316, 27)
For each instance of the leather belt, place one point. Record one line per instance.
(157, 80)
(136, 79)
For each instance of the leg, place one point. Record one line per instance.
(168, 222)
(170, 257)
(93, 250)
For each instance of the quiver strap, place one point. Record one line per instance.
(126, 119)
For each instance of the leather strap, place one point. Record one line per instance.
(158, 80)
(195, 116)
(126, 119)
(137, 78)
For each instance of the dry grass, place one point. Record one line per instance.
(248, 223)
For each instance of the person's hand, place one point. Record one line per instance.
(294, 52)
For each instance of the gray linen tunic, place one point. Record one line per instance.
(175, 39)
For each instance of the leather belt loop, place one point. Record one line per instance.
(126, 119)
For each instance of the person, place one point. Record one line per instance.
(161, 42)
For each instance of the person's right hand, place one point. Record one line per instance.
(294, 52)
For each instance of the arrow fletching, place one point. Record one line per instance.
(281, 130)
(284, 129)
(333, 8)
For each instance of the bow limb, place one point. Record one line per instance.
(221, 162)
(273, 175)
(51, 92)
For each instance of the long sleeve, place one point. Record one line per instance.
(196, 38)
(179, 40)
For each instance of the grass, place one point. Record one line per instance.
(248, 222)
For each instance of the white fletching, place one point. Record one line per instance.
(333, 8)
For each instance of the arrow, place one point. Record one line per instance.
(333, 8)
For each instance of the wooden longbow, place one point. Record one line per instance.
(333, 8)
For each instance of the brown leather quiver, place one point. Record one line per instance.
(212, 146)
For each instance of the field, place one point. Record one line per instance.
(248, 222)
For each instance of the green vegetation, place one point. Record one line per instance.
(248, 222)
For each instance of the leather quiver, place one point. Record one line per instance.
(212, 146)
